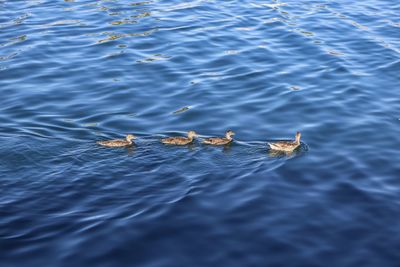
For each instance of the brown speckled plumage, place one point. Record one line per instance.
(180, 140)
(286, 146)
(118, 142)
(218, 141)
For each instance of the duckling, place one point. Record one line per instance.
(180, 140)
(217, 141)
(286, 146)
(118, 142)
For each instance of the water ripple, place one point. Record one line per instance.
(73, 72)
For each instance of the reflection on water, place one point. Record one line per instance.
(279, 154)
(73, 72)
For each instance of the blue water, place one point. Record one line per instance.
(74, 72)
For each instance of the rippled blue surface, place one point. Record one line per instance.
(77, 71)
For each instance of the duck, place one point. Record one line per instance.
(218, 141)
(118, 142)
(180, 140)
(286, 146)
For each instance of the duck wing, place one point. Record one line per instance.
(114, 143)
(175, 140)
(283, 145)
(216, 141)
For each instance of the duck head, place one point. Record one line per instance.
(192, 134)
(130, 137)
(229, 134)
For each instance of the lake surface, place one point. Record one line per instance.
(75, 72)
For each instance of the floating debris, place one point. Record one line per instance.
(115, 36)
(156, 57)
(306, 33)
(141, 3)
(125, 21)
(142, 15)
(5, 57)
(181, 110)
